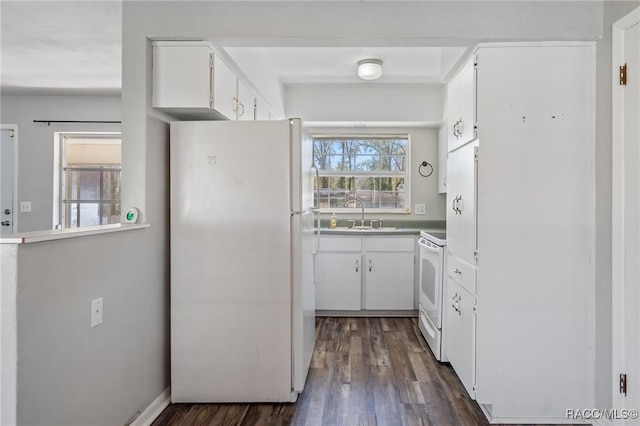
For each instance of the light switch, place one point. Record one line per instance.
(25, 206)
(420, 209)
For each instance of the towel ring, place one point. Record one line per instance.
(425, 164)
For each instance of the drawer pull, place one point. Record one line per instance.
(357, 265)
(370, 265)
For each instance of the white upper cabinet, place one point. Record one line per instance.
(461, 106)
(182, 75)
(246, 102)
(191, 81)
(225, 89)
(461, 202)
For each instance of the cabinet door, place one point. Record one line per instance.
(461, 202)
(262, 112)
(224, 89)
(389, 280)
(442, 159)
(461, 100)
(460, 333)
(339, 281)
(247, 102)
(181, 75)
(466, 101)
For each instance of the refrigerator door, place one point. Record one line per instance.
(231, 298)
(302, 248)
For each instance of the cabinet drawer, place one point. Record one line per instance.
(389, 244)
(340, 244)
(462, 273)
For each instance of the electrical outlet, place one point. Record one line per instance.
(96, 312)
(25, 206)
(420, 209)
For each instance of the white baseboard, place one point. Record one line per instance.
(154, 409)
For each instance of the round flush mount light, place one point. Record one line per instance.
(370, 69)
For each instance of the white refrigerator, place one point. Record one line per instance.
(242, 260)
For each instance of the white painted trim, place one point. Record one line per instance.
(14, 207)
(591, 296)
(618, 211)
(154, 409)
(528, 420)
(9, 336)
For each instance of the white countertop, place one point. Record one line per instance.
(59, 234)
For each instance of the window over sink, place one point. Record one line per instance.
(372, 168)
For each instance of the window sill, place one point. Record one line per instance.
(60, 234)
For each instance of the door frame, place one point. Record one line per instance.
(14, 201)
(618, 211)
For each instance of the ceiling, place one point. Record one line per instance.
(62, 47)
(50, 46)
(303, 65)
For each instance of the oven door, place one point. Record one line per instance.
(431, 264)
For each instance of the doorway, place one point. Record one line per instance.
(626, 216)
(8, 180)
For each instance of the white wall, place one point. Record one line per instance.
(424, 147)
(36, 143)
(366, 102)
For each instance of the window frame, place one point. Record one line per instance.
(60, 155)
(356, 173)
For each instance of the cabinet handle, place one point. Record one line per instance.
(457, 271)
(242, 109)
(369, 265)
(357, 265)
(236, 103)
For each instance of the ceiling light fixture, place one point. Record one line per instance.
(370, 69)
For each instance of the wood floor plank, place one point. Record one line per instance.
(364, 372)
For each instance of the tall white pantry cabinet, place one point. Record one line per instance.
(519, 300)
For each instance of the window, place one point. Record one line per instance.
(372, 168)
(89, 179)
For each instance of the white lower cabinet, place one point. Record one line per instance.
(460, 331)
(389, 281)
(371, 273)
(338, 281)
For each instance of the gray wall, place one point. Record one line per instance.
(69, 373)
(36, 143)
(366, 102)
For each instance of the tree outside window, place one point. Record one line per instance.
(372, 168)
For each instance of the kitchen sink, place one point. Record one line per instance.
(363, 228)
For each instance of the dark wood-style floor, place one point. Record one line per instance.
(364, 371)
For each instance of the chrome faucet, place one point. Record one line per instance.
(361, 205)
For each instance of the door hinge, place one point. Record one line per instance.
(623, 384)
(623, 75)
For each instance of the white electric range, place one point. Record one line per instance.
(432, 270)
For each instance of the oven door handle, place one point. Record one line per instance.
(435, 250)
